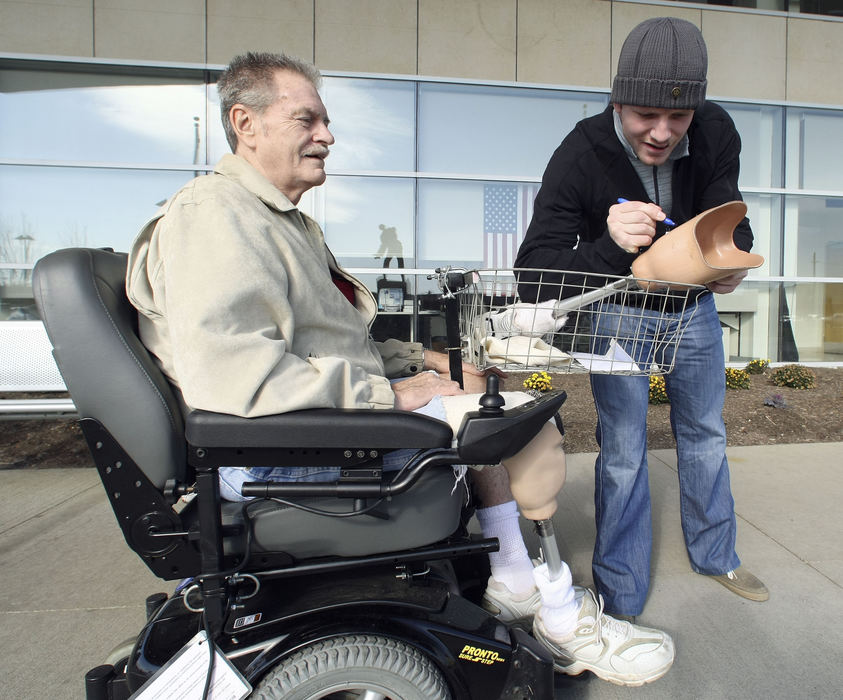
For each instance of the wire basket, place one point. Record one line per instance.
(574, 322)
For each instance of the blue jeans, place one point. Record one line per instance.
(696, 389)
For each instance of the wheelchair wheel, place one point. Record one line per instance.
(355, 666)
(120, 654)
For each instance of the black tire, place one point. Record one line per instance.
(347, 667)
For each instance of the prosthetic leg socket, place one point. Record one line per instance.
(537, 473)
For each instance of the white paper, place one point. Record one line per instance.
(616, 360)
(183, 676)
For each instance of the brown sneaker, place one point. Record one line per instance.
(743, 583)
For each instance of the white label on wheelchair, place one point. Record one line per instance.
(183, 677)
(248, 620)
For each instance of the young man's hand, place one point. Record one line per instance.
(727, 284)
(632, 225)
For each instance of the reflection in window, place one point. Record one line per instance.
(813, 7)
(764, 213)
(217, 144)
(473, 223)
(145, 121)
(813, 236)
(502, 131)
(815, 149)
(372, 122)
(783, 321)
(760, 129)
(815, 314)
(780, 5)
(91, 117)
(46, 208)
(367, 221)
(16, 301)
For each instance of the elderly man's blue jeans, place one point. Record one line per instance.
(231, 479)
(696, 389)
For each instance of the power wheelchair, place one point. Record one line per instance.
(364, 587)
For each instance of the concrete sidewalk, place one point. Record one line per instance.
(72, 590)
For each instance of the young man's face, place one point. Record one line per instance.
(653, 132)
(292, 137)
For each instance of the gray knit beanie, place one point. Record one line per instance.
(663, 63)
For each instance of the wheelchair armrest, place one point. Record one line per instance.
(489, 438)
(318, 428)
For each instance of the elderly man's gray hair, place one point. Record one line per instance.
(250, 80)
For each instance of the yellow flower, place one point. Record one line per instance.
(539, 381)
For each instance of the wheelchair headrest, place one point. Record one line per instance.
(80, 294)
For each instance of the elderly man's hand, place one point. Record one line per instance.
(727, 284)
(415, 392)
(474, 380)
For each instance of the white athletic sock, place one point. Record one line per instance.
(511, 564)
(560, 606)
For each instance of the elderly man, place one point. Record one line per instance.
(248, 313)
(659, 150)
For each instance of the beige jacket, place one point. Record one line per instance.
(236, 301)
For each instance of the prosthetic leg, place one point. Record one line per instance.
(536, 472)
(536, 475)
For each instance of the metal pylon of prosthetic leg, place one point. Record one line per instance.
(549, 547)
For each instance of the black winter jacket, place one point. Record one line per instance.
(590, 170)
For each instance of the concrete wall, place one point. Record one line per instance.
(563, 42)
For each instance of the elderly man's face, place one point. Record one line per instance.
(292, 137)
(653, 132)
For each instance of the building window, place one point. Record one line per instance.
(833, 8)
(62, 207)
(472, 223)
(368, 220)
(110, 118)
(500, 131)
(373, 122)
(760, 129)
(815, 149)
(424, 173)
(813, 236)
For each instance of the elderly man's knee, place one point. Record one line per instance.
(490, 485)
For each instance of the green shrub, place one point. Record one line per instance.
(757, 366)
(658, 390)
(794, 376)
(737, 378)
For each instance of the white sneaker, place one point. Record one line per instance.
(616, 651)
(508, 607)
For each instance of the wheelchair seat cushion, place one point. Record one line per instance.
(428, 512)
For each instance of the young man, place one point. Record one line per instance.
(665, 151)
(248, 313)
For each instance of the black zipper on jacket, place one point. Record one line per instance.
(656, 183)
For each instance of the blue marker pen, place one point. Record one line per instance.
(667, 222)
